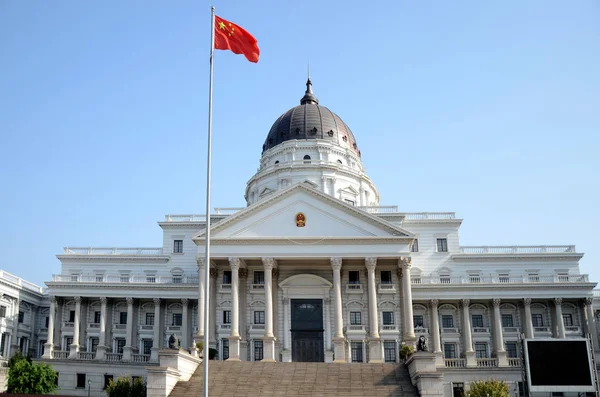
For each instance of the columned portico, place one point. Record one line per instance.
(435, 332)
(234, 337)
(374, 339)
(49, 345)
(468, 341)
(409, 329)
(269, 338)
(128, 349)
(528, 321)
(498, 335)
(102, 348)
(76, 324)
(560, 322)
(156, 342)
(339, 342)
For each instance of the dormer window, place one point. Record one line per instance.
(306, 159)
(345, 138)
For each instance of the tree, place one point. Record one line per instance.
(489, 388)
(124, 387)
(25, 377)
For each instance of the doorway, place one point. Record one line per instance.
(307, 330)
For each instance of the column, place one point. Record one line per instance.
(274, 294)
(102, 348)
(327, 337)
(31, 340)
(212, 316)
(528, 322)
(243, 274)
(374, 339)
(59, 315)
(435, 332)
(75, 344)
(234, 337)
(185, 329)
(409, 329)
(591, 325)
(269, 338)
(498, 335)
(199, 337)
(156, 341)
(560, 323)
(128, 348)
(339, 342)
(14, 344)
(286, 355)
(49, 345)
(468, 341)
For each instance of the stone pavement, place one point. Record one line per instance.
(245, 378)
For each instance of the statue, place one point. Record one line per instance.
(422, 344)
(173, 342)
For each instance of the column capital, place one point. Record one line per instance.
(213, 272)
(336, 262)
(156, 301)
(103, 300)
(496, 302)
(465, 303)
(286, 301)
(234, 262)
(243, 272)
(588, 301)
(53, 299)
(200, 260)
(404, 262)
(185, 301)
(77, 299)
(527, 301)
(269, 263)
(434, 303)
(129, 301)
(371, 262)
(558, 301)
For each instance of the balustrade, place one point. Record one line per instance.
(386, 288)
(487, 362)
(140, 358)
(514, 362)
(455, 362)
(85, 355)
(354, 288)
(60, 355)
(114, 356)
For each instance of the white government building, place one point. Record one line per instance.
(312, 269)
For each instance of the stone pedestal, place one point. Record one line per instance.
(339, 350)
(101, 353)
(234, 348)
(268, 349)
(471, 360)
(423, 373)
(329, 357)
(127, 353)
(48, 350)
(439, 359)
(502, 359)
(154, 354)
(286, 356)
(375, 351)
(74, 351)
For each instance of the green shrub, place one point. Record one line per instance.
(406, 351)
(124, 387)
(489, 388)
(25, 377)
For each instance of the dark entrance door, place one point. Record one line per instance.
(307, 330)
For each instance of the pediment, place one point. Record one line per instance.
(266, 191)
(349, 190)
(325, 217)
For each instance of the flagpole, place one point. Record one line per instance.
(206, 357)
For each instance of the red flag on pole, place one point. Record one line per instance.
(229, 36)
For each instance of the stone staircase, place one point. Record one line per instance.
(299, 379)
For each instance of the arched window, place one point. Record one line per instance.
(306, 159)
(276, 163)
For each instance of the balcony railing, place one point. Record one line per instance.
(119, 326)
(85, 355)
(388, 328)
(515, 330)
(541, 329)
(596, 292)
(487, 362)
(514, 362)
(572, 329)
(421, 330)
(226, 288)
(60, 355)
(429, 215)
(126, 251)
(386, 288)
(481, 330)
(140, 358)
(455, 362)
(171, 328)
(517, 249)
(19, 281)
(130, 279)
(146, 327)
(357, 328)
(258, 288)
(450, 330)
(114, 356)
(257, 328)
(354, 288)
(523, 279)
(224, 327)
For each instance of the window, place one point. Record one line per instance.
(537, 320)
(418, 321)
(354, 277)
(511, 349)
(389, 351)
(444, 279)
(150, 279)
(533, 277)
(477, 321)
(123, 318)
(504, 278)
(177, 319)
(388, 318)
(47, 322)
(475, 278)
(97, 316)
(386, 277)
(72, 316)
(21, 317)
(227, 277)
(442, 245)
(259, 317)
(68, 343)
(567, 319)
(94, 344)
(120, 345)
(351, 202)
(355, 318)
(225, 343)
(107, 379)
(507, 320)
(226, 316)
(357, 356)
(259, 277)
(449, 350)
(124, 278)
(2, 311)
(177, 246)
(564, 277)
(415, 247)
(99, 278)
(177, 279)
(458, 389)
(147, 346)
(447, 321)
(481, 350)
(258, 350)
(149, 318)
(74, 277)
(81, 381)
(306, 159)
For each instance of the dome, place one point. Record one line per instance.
(309, 120)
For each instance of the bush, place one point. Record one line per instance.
(25, 377)
(406, 351)
(489, 388)
(212, 353)
(124, 387)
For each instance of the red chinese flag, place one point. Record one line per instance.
(229, 36)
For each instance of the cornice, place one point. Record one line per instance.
(516, 257)
(529, 287)
(22, 291)
(456, 222)
(114, 258)
(119, 286)
(327, 240)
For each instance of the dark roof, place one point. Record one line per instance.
(310, 120)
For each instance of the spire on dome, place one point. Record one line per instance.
(309, 97)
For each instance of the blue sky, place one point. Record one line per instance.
(488, 109)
